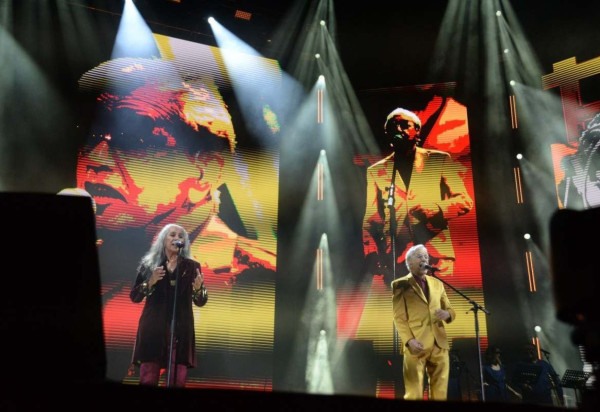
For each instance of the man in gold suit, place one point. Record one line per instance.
(421, 308)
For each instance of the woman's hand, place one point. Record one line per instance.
(157, 274)
(198, 280)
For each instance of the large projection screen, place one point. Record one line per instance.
(170, 140)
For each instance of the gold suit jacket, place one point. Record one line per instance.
(414, 316)
(435, 184)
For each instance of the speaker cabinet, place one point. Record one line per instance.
(50, 310)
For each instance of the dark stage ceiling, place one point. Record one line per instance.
(381, 43)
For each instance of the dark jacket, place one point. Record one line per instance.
(154, 328)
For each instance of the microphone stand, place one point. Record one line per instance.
(173, 322)
(475, 307)
(390, 205)
(392, 209)
(554, 381)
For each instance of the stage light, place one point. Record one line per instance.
(211, 20)
(537, 328)
(498, 13)
(512, 82)
(506, 51)
(527, 236)
(322, 152)
(519, 156)
(244, 15)
(134, 37)
(317, 56)
(322, 22)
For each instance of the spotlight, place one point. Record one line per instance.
(322, 22)
(537, 328)
(519, 156)
(211, 20)
(527, 236)
(512, 82)
(323, 333)
(317, 56)
(322, 152)
(244, 15)
(498, 13)
(506, 51)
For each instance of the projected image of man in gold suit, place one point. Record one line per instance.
(423, 189)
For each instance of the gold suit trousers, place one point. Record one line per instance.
(435, 362)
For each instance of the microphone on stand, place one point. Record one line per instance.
(179, 243)
(432, 269)
(390, 199)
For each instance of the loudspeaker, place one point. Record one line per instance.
(575, 279)
(573, 264)
(50, 309)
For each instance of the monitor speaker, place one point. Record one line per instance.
(50, 309)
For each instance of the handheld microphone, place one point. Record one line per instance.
(179, 243)
(432, 269)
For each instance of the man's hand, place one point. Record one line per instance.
(424, 213)
(415, 347)
(441, 314)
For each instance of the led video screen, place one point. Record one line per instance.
(167, 141)
(449, 232)
(187, 139)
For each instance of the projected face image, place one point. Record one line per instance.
(589, 152)
(581, 185)
(160, 150)
(139, 176)
(403, 127)
(153, 152)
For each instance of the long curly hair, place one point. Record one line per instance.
(156, 255)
